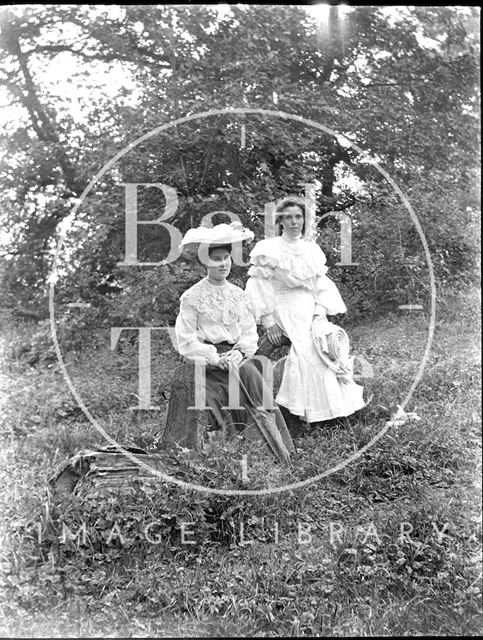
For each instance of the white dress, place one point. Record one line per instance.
(288, 285)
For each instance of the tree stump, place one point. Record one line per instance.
(184, 426)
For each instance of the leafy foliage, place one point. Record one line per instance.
(414, 110)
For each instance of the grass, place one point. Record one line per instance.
(390, 545)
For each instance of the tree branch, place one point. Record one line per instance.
(42, 124)
(157, 59)
(333, 43)
(334, 204)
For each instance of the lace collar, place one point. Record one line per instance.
(218, 303)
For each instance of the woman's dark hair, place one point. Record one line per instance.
(289, 201)
(211, 248)
(205, 251)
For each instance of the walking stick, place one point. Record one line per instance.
(265, 422)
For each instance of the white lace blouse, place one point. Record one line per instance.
(214, 313)
(281, 265)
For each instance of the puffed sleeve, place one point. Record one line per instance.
(327, 297)
(261, 297)
(188, 343)
(259, 287)
(248, 340)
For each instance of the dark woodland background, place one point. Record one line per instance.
(401, 85)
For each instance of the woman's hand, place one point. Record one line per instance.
(230, 359)
(275, 335)
(320, 311)
(234, 358)
(223, 362)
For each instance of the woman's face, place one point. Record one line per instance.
(219, 265)
(292, 221)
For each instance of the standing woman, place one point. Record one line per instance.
(216, 327)
(289, 290)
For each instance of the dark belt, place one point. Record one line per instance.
(221, 347)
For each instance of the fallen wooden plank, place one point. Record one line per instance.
(107, 467)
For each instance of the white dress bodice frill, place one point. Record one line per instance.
(280, 265)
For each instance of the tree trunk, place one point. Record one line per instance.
(183, 425)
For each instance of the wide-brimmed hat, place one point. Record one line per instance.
(217, 236)
(332, 344)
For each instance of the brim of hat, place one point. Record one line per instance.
(215, 236)
(215, 243)
(194, 246)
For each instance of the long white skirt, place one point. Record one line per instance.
(309, 388)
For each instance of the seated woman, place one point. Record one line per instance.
(216, 328)
(289, 294)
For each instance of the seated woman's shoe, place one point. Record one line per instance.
(295, 424)
(324, 425)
